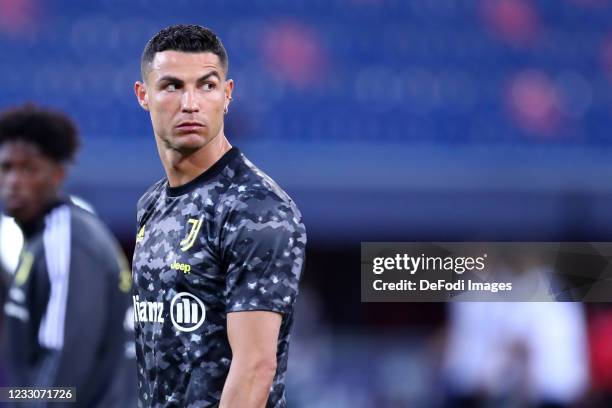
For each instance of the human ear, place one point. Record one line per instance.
(229, 88)
(142, 95)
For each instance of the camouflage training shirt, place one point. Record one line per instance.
(230, 240)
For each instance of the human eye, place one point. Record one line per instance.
(170, 87)
(209, 86)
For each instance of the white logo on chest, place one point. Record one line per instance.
(187, 312)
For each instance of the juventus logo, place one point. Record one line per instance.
(193, 233)
(140, 235)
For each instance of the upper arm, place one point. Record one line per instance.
(264, 250)
(253, 335)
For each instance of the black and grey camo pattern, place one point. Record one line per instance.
(248, 255)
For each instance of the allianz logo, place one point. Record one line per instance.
(187, 312)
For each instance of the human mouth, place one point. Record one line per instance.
(189, 126)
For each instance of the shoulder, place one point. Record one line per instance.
(147, 201)
(260, 208)
(87, 223)
(72, 233)
(94, 245)
(259, 197)
(151, 195)
(91, 241)
(89, 231)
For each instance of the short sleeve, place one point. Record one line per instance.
(264, 248)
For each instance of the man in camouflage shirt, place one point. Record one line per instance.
(219, 247)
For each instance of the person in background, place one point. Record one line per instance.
(66, 305)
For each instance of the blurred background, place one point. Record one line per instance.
(429, 120)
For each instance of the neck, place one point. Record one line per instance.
(30, 226)
(182, 168)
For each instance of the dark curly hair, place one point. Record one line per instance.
(185, 38)
(54, 133)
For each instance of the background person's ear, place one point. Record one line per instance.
(58, 174)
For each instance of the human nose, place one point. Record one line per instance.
(189, 102)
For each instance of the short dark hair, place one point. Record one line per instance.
(185, 38)
(54, 133)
